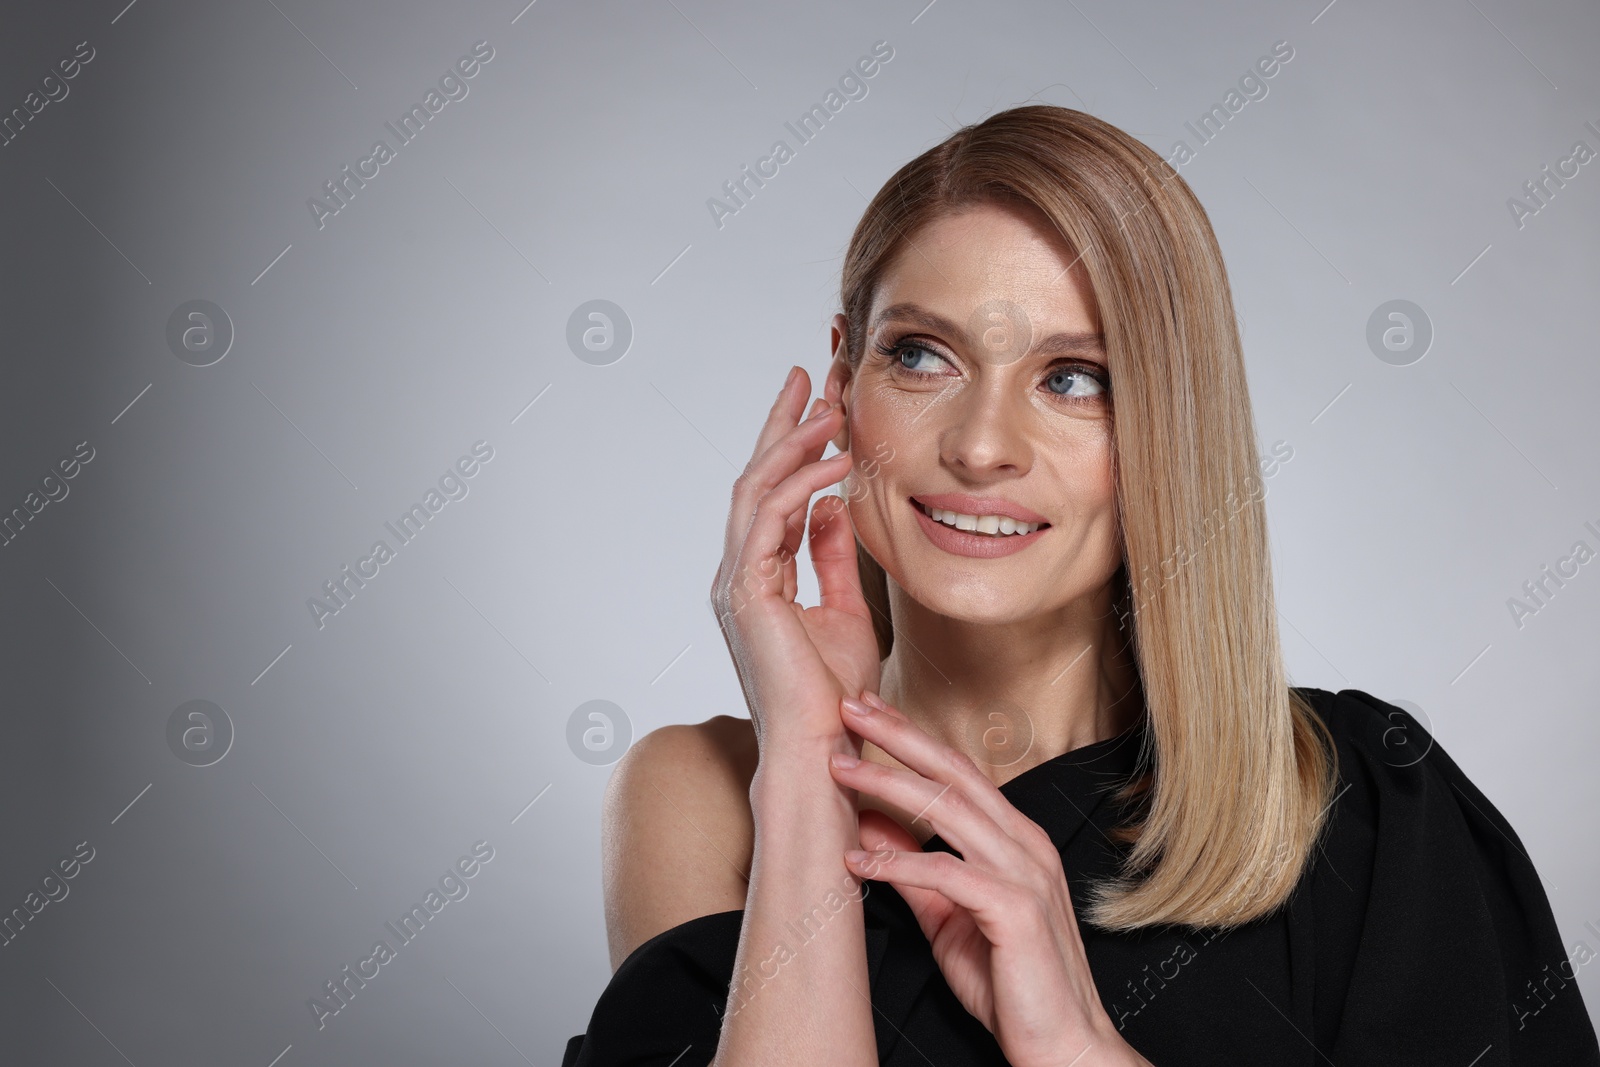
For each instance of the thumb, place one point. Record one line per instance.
(879, 831)
(833, 557)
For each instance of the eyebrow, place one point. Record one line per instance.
(1078, 343)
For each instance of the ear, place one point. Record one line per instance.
(836, 389)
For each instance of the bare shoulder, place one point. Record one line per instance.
(676, 830)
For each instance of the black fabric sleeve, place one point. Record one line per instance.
(664, 1004)
(1458, 958)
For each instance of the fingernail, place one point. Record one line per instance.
(790, 379)
(844, 760)
(855, 855)
(818, 406)
(858, 709)
(876, 701)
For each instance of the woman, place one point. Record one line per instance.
(1029, 786)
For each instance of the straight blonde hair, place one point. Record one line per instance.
(1235, 778)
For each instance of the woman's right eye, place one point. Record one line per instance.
(914, 352)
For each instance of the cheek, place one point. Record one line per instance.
(1099, 469)
(883, 428)
(1083, 470)
(882, 417)
(883, 436)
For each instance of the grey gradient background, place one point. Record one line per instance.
(430, 312)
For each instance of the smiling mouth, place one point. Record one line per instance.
(981, 525)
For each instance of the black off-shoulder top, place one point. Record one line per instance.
(1419, 935)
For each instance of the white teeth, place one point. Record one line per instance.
(999, 525)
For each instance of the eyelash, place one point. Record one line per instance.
(892, 349)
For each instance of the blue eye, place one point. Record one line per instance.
(1078, 382)
(903, 350)
(1074, 378)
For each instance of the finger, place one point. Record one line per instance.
(878, 829)
(794, 526)
(986, 897)
(758, 567)
(879, 832)
(945, 807)
(770, 466)
(757, 479)
(833, 557)
(767, 467)
(937, 762)
(789, 550)
(786, 410)
(781, 420)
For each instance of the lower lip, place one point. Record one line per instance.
(982, 546)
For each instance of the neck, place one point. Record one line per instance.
(1012, 695)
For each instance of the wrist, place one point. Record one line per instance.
(1113, 1047)
(792, 782)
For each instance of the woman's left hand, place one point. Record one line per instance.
(998, 917)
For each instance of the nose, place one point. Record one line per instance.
(985, 430)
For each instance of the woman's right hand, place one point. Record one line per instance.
(795, 663)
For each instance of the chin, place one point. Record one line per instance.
(968, 598)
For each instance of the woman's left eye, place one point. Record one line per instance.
(1074, 382)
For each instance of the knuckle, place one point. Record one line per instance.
(1034, 882)
(1041, 842)
(959, 763)
(957, 802)
(768, 501)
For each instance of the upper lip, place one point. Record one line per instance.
(978, 505)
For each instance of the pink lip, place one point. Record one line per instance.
(979, 505)
(981, 546)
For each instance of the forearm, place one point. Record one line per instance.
(802, 954)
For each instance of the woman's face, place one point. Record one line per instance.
(983, 390)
